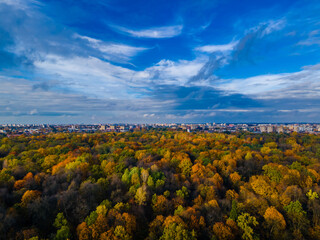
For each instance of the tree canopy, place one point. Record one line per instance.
(160, 184)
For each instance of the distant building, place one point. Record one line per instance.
(111, 128)
(280, 129)
(123, 129)
(270, 129)
(263, 128)
(103, 128)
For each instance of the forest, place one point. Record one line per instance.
(160, 184)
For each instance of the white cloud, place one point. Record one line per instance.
(302, 84)
(252, 85)
(205, 26)
(314, 33)
(147, 115)
(170, 72)
(113, 51)
(94, 77)
(20, 4)
(239, 110)
(155, 32)
(217, 48)
(286, 110)
(310, 41)
(191, 114)
(33, 111)
(268, 27)
(309, 110)
(89, 39)
(19, 99)
(119, 52)
(88, 75)
(274, 25)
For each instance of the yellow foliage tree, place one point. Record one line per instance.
(274, 220)
(222, 231)
(29, 196)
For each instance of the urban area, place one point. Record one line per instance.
(19, 129)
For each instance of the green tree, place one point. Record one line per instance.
(121, 233)
(91, 218)
(126, 177)
(63, 233)
(296, 215)
(245, 222)
(60, 221)
(177, 232)
(150, 182)
(234, 210)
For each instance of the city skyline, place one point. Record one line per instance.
(113, 61)
(14, 130)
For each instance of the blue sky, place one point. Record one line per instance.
(107, 61)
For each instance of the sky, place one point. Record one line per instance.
(147, 61)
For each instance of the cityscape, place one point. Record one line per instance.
(27, 129)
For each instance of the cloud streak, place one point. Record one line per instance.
(217, 48)
(233, 52)
(154, 32)
(21, 4)
(302, 84)
(113, 51)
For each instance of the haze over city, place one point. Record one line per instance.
(109, 61)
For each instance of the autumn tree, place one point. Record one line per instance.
(177, 231)
(275, 221)
(245, 222)
(141, 195)
(222, 231)
(297, 217)
(61, 224)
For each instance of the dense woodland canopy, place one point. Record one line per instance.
(160, 185)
